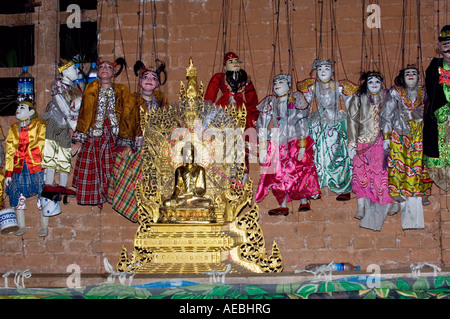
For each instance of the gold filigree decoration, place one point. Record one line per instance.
(254, 249)
(138, 258)
(209, 128)
(217, 134)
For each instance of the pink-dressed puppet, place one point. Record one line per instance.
(286, 150)
(365, 143)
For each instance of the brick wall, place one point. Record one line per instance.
(184, 29)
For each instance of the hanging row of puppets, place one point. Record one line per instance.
(388, 146)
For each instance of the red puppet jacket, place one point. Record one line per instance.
(245, 95)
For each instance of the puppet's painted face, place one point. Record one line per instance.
(280, 87)
(374, 84)
(24, 112)
(444, 49)
(324, 72)
(70, 73)
(105, 71)
(149, 81)
(232, 65)
(411, 78)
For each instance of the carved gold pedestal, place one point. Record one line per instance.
(198, 248)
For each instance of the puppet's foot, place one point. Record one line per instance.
(343, 197)
(279, 211)
(43, 232)
(399, 198)
(360, 212)
(44, 226)
(395, 208)
(425, 201)
(304, 205)
(20, 214)
(20, 232)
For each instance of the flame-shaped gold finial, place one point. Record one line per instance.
(191, 76)
(192, 90)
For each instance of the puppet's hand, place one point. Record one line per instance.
(386, 144)
(301, 153)
(262, 155)
(351, 152)
(126, 151)
(75, 148)
(76, 105)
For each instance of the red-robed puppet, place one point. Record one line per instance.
(237, 88)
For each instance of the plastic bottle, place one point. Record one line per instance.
(92, 74)
(334, 266)
(25, 86)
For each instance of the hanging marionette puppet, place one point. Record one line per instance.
(96, 132)
(23, 159)
(286, 150)
(365, 142)
(436, 118)
(328, 128)
(237, 89)
(61, 118)
(402, 126)
(127, 164)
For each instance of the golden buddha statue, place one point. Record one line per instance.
(187, 202)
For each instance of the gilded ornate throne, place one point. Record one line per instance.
(188, 239)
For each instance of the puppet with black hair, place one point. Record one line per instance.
(402, 126)
(365, 144)
(436, 117)
(96, 133)
(237, 89)
(23, 160)
(126, 170)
